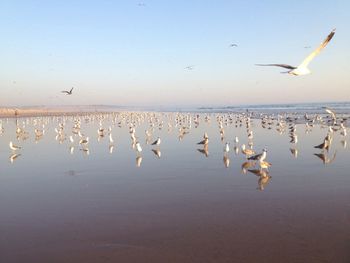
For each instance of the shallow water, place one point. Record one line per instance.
(58, 206)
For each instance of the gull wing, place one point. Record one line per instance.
(331, 112)
(308, 59)
(278, 65)
(71, 90)
(65, 91)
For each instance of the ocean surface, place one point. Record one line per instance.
(301, 108)
(296, 108)
(61, 201)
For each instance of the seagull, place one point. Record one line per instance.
(205, 141)
(189, 67)
(324, 145)
(138, 147)
(84, 140)
(259, 157)
(157, 142)
(302, 69)
(68, 92)
(331, 112)
(14, 147)
(227, 147)
(233, 45)
(246, 151)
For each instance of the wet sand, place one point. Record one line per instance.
(183, 207)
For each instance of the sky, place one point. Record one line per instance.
(135, 53)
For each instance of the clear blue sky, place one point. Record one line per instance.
(121, 52)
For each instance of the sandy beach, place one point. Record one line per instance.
(62, 201)
(48, 111)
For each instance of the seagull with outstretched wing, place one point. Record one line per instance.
(303, 69)
(70, 92)
(331, 112)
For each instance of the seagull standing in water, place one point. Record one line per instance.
(259, 157)
(226, 148)
(14, 147)
(303, 69)
(157, 142)
(70, 92)
(138, 147)
(205, 141)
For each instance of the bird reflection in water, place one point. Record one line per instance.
(264, 178)
(138, 161)
(226, 161)
(14, 156)
(111, 148)
(85, 151)
(204, 151)
(246, 165)
(325, 158)
(71, 149)
(157, 152)
(294, 152)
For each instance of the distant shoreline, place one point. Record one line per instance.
(299, 108)
(43, 111)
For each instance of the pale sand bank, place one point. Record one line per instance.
(43, 111)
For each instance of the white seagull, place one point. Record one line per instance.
(14, 147)
(138, 147)
(302, 69)
(226, 147)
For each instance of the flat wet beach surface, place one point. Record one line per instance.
(65, 201)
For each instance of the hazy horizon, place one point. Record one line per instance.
(126, 53)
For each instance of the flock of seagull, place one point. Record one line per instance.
(255, 162)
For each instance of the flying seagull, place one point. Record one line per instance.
(68, 92)
(189, 67)
(233, 45)
(302, 69)
(331, 112)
